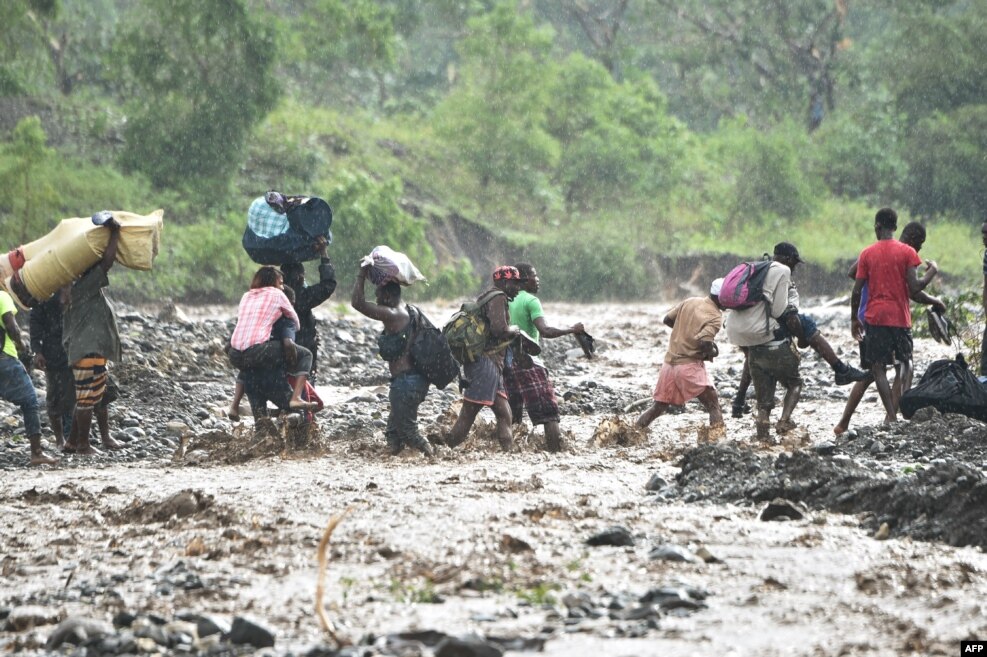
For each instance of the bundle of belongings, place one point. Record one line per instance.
(388, 265)
(282, 229)
(950, 387)
(32, 273)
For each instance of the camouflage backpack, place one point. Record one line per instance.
(467, 331)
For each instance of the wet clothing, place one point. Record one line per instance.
(499, 320)
(408, 390)
(531, 389)
(485, 381)
(884, 266)
(770, 365)
(392, 346)
(7, 306)
(696, 320)
(263, 385)
(88, 324)
(809, 328)
(16, 388)
(269, 355)
(524, 309)
(757, 324)
(678, 384)
(90, 381)
(259, 309)
(46, 333)
(307, 298)
(885, 345)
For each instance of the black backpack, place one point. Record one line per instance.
(430, 351)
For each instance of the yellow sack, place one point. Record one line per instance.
(77, 244)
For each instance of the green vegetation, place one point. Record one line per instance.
(591, 137)
(541, 593)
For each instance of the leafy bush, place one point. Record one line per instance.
(946, 164)
(588, 270)
(859, 156)
(614, 139)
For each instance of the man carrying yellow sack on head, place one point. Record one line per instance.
(91, 339)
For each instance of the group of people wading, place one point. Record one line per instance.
(275, 347)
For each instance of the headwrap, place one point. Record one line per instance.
(506, 273)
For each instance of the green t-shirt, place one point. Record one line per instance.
(524, 310)
(7, 306)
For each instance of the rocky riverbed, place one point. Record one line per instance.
(201, 535)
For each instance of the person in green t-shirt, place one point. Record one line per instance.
(530, 387)
(15, 383)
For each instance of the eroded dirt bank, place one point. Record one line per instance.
(490, 544)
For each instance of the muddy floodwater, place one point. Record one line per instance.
(878, 553)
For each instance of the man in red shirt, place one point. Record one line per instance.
(888, 267)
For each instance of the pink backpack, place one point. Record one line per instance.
(743, 287)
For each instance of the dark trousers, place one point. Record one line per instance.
(408, 391)
(270, 355)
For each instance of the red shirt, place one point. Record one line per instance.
(884, 266)
(259, 309)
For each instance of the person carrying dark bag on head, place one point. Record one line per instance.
(408, 386)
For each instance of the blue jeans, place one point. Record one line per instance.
(16, 387)
(408, 391)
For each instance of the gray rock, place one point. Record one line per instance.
(655, 483)
(208, 625)
(825, 448)
(469, 647)
(249, 632)
(616, 535)
(77, 630)
(672, 553)
(21, 619)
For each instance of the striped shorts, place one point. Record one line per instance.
(90, 381)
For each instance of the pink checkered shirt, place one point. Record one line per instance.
(259, 309)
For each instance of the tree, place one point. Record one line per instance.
(495, 115)
(947, 166)
(344, 39)
(202, 76)
(32, 198)
(615, 138)
(601, 23)
(768, 59)
(935, 62)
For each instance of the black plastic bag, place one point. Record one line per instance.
(950, 387)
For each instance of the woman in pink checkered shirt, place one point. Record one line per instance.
(251, 346)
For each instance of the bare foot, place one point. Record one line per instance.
(110, 443)
(40, 458)
(840, 429)
(88, 450)
(69, 448)
(784, 426)
(233, 413)
(59, 442)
